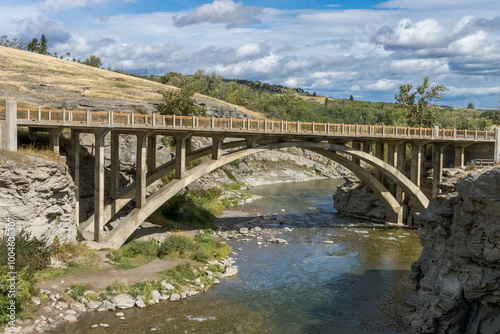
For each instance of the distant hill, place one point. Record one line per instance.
(39, 80)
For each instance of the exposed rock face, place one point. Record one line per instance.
(358, 200)
(458, 273)
(37, 194)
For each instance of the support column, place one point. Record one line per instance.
(151, 154)
(8, 140)
(496, 156)
(416, 164)
(54, 140)
(459, 156)
(379, 153)
(423, 167)
(115, 167)
(392, 154)
(99, 186)
(357, 146)
(180, 156)
(75, 164)
(401, 160)
(217, 147)
(437, 166)
(140, 176)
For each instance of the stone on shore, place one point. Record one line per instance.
(123, 301)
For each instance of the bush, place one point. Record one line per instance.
(25, 288)
(177, 246)
(78, 289)
(31, 253)
(140, 248)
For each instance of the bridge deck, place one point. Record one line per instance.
(209, 126)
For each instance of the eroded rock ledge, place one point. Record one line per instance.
(457, 277)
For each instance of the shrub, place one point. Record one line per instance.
(140, 248)
(78, 289)
(25, 288)
(31, 253)
(177, 246)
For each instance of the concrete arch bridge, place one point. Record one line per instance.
(383, 147)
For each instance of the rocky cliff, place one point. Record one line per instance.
(37, 194)
(457, 276)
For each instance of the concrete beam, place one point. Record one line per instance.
(8, 128)
(99, 186)
(437, 166)
(217, 142)
(416, 164)
(151, 160)
(115, 166)
(379, 153)
(180, 156)
(357, 146)
(75, 164)
(400, 151)
(141, 167)
(54, 139)
(459, 156)
(496, 153)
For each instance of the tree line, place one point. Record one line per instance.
(41, 47)
(416, 108)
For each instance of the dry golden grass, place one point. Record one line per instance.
(35, 80)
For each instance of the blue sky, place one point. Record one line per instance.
(335, 48)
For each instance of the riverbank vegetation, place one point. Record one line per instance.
(33, 260)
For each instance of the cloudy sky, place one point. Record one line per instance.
(335, 48)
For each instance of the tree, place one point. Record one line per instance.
(351, 98)
(470, 106)
(34, 46)
(14, 43)
(419, 104)
(93, 61)
(43, 48)
(180, 103)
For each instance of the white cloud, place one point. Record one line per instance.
(383, 85)
(222, 11)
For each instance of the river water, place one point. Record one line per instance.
(354, 285)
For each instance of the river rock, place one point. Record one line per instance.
(140, 303)
(244, 230)
(123, 301)
(93, 304)
(456, 276)
(155, 295)
(167, 286)
(70, 318)
(230, 271)
(119, 314)
(108, 305)
(175, 297)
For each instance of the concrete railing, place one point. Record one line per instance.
(91, 118)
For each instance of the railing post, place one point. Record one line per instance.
(28, 114)
(475, 135)
(465, 134)
(194, 121)
(327, 128)
(371, 129)
(39, 116)
(420, 133)
(164, 121)
(282, 125)
(454, 133)
(265, 125)
(230, 123)
(88, 117)
(342, 129)
(395, 130)
(173, 121)
(313, 127)
(63, 115)
(408, 131)
(298, 126)
(383, 130)
(153, 121)
(357, 129)
(213, 122)
(132, 118)
(50, 115)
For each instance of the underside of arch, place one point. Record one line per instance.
(119, 234)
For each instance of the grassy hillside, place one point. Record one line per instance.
(38, 80)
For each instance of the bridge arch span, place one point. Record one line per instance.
(121, 232)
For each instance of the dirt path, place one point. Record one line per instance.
(103, 278)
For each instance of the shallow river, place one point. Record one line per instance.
(354, 285)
